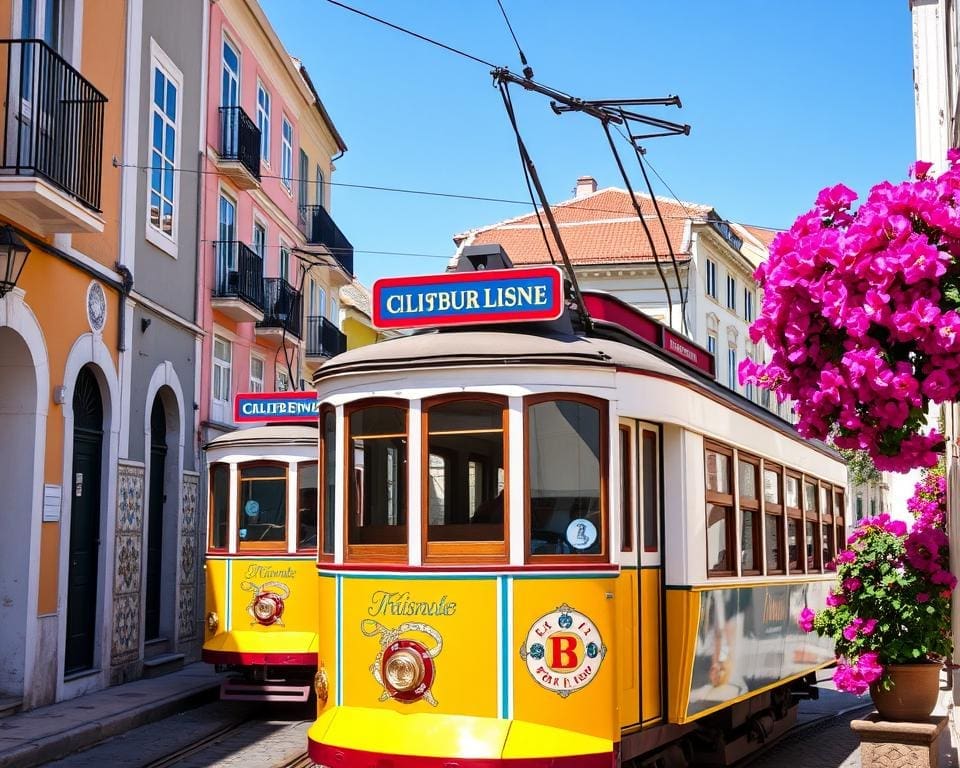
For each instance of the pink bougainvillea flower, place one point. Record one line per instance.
(805, 620)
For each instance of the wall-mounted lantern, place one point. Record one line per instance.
(13, 255)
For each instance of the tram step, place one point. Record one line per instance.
(9, 705)
(240, 690)
(163, 664)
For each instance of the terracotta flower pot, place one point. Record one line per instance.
(914, 694)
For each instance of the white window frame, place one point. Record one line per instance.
(334, 311)
(732, 368)
(226, 370)
(711, 270)
(226, 40)
(160, 60)
(284, 261)
(263, 122)
(280, 373)
(286, 155)
(712, 340)
(259, 224)
(256, 384)
(320, 182)
(747, 304)
(732, 293)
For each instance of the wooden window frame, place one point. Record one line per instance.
(211, 509)
(492, 551)
(372, 553)
(656, 518)
(839, 520)
(265, 546)
(316, 547)
(826, 525)
(779, 512)
(754, 507)
(325, 557)
(795, 513)
(603, 529)
(725, 500)
(812, 515)
(627, 466)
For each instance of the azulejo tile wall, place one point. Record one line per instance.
(127, 559)
(187, 594)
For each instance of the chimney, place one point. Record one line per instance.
(586, 185)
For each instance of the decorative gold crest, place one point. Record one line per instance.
(404, 667)
(266, 605)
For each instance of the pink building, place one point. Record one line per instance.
(272, 258)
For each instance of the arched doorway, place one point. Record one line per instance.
(155, 504)
(18, 425)
(83, 575)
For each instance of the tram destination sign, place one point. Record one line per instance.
(301, 407)
(468, 298)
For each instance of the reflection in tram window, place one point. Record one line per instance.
(750, 516)
(773, 520)
(263, 505)
(307, 505)
(720, 558)
(329, 458)
(812, 523)
(795, 554)
(377, 495)
(465, 446)
(564, 439)
(219, 505)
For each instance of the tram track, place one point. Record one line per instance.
(197, 746)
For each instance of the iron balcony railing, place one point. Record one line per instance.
(52, 121)
(321, 229)
(239, 273)
(324, 339)
(240, 139)
(282, 306)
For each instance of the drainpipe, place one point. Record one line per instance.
(126, 286)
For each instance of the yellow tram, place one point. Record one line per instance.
(261, 584)
(557, 542)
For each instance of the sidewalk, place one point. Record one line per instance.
(48, 733)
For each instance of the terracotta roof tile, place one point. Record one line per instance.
(601, 228)
(762, 234)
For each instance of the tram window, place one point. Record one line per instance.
(811, 525)
(747, 472)
(773, 510)
(826, 527)
(795, 541)
(626, 490)
(651, 492)
(465, 481)
(838, 518)
(219, 505)
(719, 497)
(262, 508)
(565, 440)
(328, 455)
(307, 505)
(377, 487)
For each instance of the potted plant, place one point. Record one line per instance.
(889, 615)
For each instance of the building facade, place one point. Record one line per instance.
(272, 259)
(63, 345)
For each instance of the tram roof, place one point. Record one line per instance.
(539, 344)
(286, 434)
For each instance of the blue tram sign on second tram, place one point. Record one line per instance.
(467, 298)
(290, 407)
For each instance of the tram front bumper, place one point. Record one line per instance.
(359, 737)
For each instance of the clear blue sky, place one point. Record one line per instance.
(783, 99)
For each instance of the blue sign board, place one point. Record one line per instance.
(468, 298)
(276, 406)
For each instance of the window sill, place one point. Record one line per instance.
(164, 242)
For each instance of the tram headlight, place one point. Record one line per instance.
(404, 670)
(213, 621)
(265, 609)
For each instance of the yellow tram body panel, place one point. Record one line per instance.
(520, 665)
(233, 587)
(728, 643)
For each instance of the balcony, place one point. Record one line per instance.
(324, 340)
(50, 169)
(281, 315)
(320, 229)
(239, 148)
(238, 285)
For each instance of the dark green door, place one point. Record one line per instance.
(82, 586)
(158, 458)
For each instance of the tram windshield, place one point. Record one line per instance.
(263, 505)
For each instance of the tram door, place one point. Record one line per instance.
(641, 581)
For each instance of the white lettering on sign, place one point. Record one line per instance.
(684, 351)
